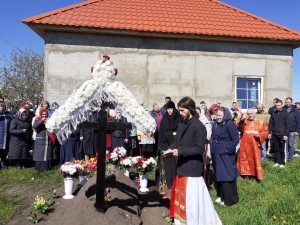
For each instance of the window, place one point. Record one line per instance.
(248, 92)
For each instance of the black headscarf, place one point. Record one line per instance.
(169, 123)
(171, 105)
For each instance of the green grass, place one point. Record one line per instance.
(273, 201)
(15, 184)
(276, 200)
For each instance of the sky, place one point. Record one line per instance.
(15, 34)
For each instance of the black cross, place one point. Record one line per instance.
(102, 126)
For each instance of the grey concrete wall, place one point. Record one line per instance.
(153, 68)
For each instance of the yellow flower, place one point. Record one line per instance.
(284, 222)
(299, 213)
(276, 201)
(281, 218)
(274, 217)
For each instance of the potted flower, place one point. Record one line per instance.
(143, 166)
(70, 171)
(126, 164)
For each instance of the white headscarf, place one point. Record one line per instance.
(202, 116)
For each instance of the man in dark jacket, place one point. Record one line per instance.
(273, 108)
(294, 128)
(279, 129)
(189, 146)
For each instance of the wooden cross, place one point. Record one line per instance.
(102, 126)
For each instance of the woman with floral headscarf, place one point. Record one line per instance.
(225, 137)
(44, 142)
(20, 139)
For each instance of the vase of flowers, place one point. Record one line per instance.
(89, 167)
(126, 164)
(143, 166)
(144, 182)
(70, 171)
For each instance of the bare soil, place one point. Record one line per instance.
(127, 207)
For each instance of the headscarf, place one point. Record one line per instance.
(171, 105)
(4, 108)
(227, 115)
(202, 116)
(55, 103)
(41, 110)
(19, 113)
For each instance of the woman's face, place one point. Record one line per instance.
(53, 106)
(170, 111)
(44, 115)
(219, 116)
(45, 105)
(24, 115)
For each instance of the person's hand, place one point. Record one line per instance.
(81, 138)
(244, 117)
(69, 132)
(296, 134)
(126, 140)
(175, 152)
(24, 130)
(285, 138)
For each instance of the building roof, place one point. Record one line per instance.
(197, 18)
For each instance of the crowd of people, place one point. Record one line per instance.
(233, 142)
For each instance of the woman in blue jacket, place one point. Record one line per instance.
(225, 137)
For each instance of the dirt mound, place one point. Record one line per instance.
(128, 206)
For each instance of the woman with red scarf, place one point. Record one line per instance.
(44, 142)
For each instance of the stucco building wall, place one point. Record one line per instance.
(153, 68)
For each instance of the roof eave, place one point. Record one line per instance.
(41, 29)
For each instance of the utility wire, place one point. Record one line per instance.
(10, 43)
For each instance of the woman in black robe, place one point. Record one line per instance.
(168, 127)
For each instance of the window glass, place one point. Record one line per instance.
(248, 92)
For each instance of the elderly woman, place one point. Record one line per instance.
(20, 138)
(44, 142)
(225, 137)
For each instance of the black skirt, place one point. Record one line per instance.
(88, 145)
(228, 193)
(43, 165)
(117, 142)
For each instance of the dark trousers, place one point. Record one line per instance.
(227, 191)
(279, 144)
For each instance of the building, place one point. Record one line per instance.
(205, 49)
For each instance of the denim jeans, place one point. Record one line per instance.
(264, 150)
(290, 147)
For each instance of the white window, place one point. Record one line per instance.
(248, 92)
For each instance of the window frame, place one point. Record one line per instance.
(260, 88)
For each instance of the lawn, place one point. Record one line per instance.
(275, 200)
(19, 186)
